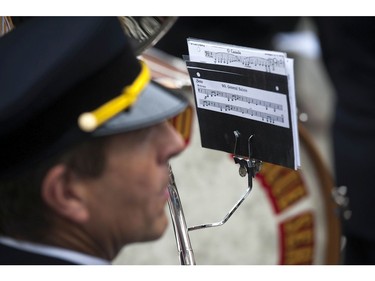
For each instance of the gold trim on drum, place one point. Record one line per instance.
(183, 123)
(297, 240)
(284, 186)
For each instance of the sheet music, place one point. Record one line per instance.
(266, 106)
(246, 102)
(225, 54)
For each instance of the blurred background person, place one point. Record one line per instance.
(348, 52)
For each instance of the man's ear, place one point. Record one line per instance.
(64, 194)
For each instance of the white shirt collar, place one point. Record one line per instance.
(69, 255)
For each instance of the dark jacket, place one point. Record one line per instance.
(13, 256)
(348, 51)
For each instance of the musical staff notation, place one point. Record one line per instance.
(238, 97)
(265, 117)
(243, 101)
(229, 97)
(268, 64)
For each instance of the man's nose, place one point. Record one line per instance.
(175, 143)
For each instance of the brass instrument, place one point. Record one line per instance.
(181, 231)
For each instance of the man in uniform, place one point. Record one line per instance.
(85, 143)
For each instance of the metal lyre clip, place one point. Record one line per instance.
(248, 166)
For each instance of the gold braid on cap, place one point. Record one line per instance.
(89, 121)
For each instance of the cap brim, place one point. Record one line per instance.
(155, 104)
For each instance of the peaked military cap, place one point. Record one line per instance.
(67, 79)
